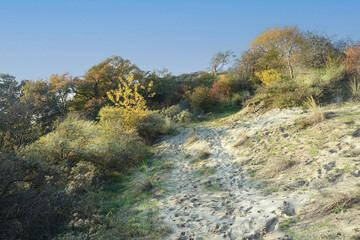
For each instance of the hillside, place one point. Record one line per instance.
(262, 176)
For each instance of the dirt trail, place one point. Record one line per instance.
(212, 198)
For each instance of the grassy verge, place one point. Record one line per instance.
(215, 118)
(125, 207)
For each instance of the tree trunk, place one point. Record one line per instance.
(291, 70)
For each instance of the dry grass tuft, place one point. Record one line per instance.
(140, 180)
(316, 117)
(354, 88)
(199, 151)
(340, 203)
(277, 166)
(244, 141)
(203, 153)
(197, 148)
(192, 140)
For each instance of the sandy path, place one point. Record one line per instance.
(222, 203)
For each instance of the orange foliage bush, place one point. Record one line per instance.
(221, 89)
(352, 59)
(203, 100)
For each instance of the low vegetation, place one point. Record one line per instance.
(340, 203)
(316, 115)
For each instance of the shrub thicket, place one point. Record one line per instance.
(203, 100)
(171, 112)
(41, 186)
(185, 117)
(177, 114)
(33, 203)
(221, 89)
(105, 145)
(152, 126)
(326, 85)
(352, 59)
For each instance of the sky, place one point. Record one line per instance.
(39, 38)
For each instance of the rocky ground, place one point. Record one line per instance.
(263, 176)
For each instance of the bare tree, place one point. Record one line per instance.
(220, 60)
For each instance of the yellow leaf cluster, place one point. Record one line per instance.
(128, 99)
(268, 76)
(274, 37)
(352, 50)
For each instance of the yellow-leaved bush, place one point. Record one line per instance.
(268, 76)
(130, 104)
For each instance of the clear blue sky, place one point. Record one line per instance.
(41, 37)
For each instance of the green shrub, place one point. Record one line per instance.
(325, 84)
(333, 73)
(65, 146)
(107, 146)
(110, 114)
(33, 204)
(81, 177)
(240, 97)
(152, 126)
(282, 93)
(185, 117)
(206, 79)
(177, 115)
(171, 112)
(285, 93)
(238, 81)
(60, 169)
(125, 117)
(295, 98)
(118, 148)
(202, 99)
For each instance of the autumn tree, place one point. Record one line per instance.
(280, 42)
(48, 100)
(37, 94)
(91, 90)
(9, 90)
(60, 88)
(17, 126)
(220, 60)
